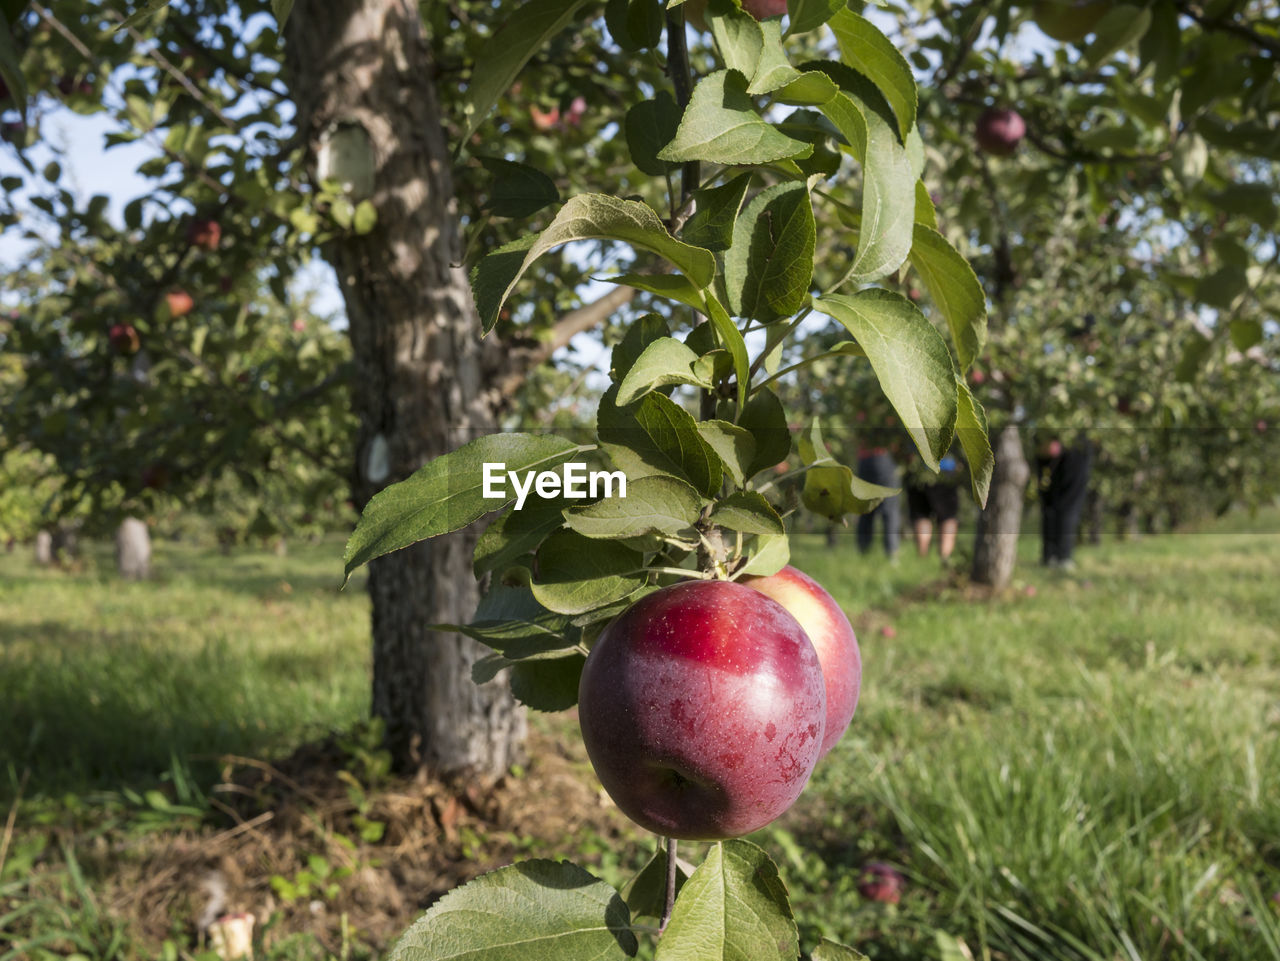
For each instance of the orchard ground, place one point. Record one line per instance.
(1089, 769)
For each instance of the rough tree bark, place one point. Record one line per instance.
(996, 546)
(419, 385)
(133, 549)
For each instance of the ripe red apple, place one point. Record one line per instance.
(832, 637)
(999, 131)
(204, 233)
(889, 631)
(179, 302)
(881, 882)
(1069, 20)
(976, 376)
(124, 338)
(702, 707)
(764, 9)
(298, 325)
(1260, 426)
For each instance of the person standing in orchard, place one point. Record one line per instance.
(935, 498)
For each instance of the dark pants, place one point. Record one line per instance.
(1061, 502)
(880, 469)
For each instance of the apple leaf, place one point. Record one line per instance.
(11, 66)
(640, 334)
(832, 489)
(646, 893)
(748, 512)
(832, 951)
(732, 338)
(536, 908)
(577, 574)
(656, 435)
(540, 682)
(910, 359)
(653, 505)
(649, 126)
(281, 9)
(954, 287)
(146, 10)
(664, 362)
(514, 534)
(765, 418)
(872, 54)
(518, 190)
(721, 125)
(807, 15)
(733, 444)
(525, 30)
(447, 493)
(733, 908)
(926, 213)
(771, 554)
(769, 266)
(671, 286)
(711, 225)
(585, 217)
(512, 622)
(971, 431)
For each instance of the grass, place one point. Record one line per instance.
(1085, 768)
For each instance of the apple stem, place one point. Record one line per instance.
(671, 886)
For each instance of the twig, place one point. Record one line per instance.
(12, 819)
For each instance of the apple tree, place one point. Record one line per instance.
(745, 156)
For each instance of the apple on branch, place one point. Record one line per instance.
(702, 708)
(832, 637)
(999, 131)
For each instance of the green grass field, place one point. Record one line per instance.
(1084, 768)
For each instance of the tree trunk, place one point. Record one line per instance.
(133, 549)
(362, 69)
(44, 549)
(1095, 514)
(995, 550)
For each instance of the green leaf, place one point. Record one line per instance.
(649, 126)
(765, 418)
(653, 505)
(833, 951)
(585, 217)
(525, 30)
(772, 69)
(671, 286)
(768, 268)
(11, 67)
(656, 435)
(531, 909)
(954, 287)
(281, 9)
(732, 338)
(807, 15)
(771, 555)
(1122, 25)
(1194, 353)
(576, 574)
(365, 217)
(646, 893)
(872, 54)
(514, 534)
(1245, 332)
(540, 683)
(721, 125)
(910, 359)
(664, 362)
(733, 908)
(926, 213)
(831, 489)
(446, 494)
(148, 9)
(711, 225)
(749, 512)
(634, 24)
(971, 431)
(639, 335)
(518, 190)
(888, 190)
(734, 445)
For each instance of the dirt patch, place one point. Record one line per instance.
(308, 848)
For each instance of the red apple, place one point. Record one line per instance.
(1000, 131)
(124, 338)
(702, 707)
(1260, 426)
(298, 325)
(832, 637)
(179, 302)
(977, 376)
(881, 882)
(764, 9)
(206, 234)
(889, 631)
